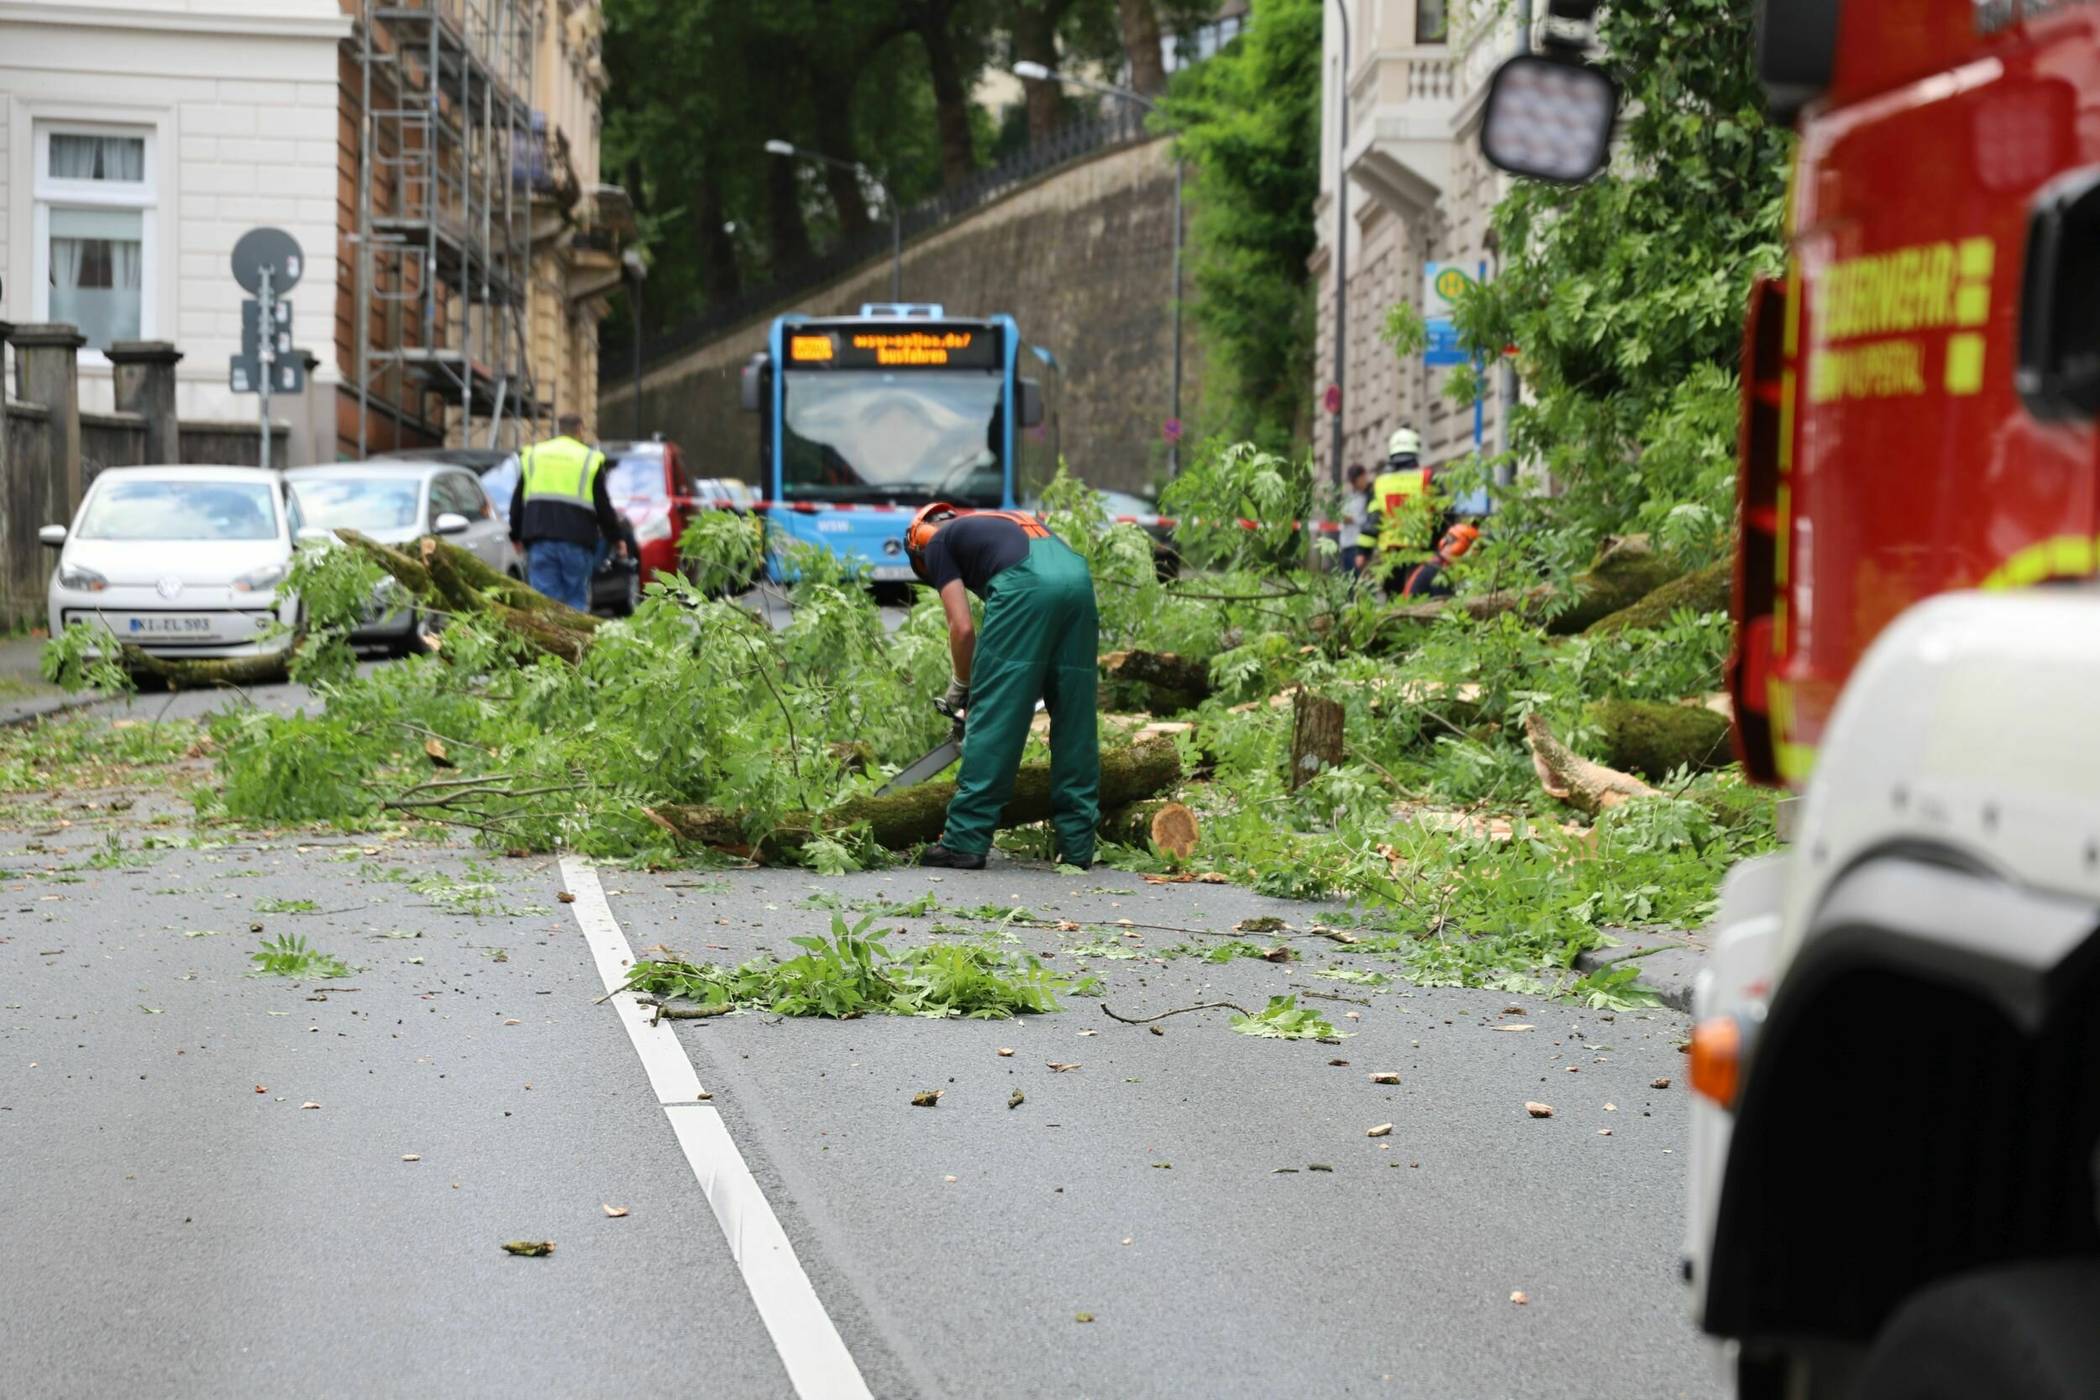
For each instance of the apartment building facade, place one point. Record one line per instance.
(1401, 119)
(139, 141)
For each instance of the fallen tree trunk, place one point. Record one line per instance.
(444, 578)
(1168, 826)
(1172, 682)
(914, 816)
(1701, 591)
(208, 671)
(1655, 739)
(1625, 571)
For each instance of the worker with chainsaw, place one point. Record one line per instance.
(1404, 515)
(1039, 642)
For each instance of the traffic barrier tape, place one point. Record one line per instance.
(1166, 522)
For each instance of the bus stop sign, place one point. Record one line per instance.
(272, 248)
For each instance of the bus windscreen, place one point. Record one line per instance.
(888, 435)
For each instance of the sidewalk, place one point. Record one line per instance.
(24, 693)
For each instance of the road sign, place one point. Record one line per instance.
(1171, 430)
(243, 374)
(1332, 399)
(1442, 284)
(270, 248)
(281, 323)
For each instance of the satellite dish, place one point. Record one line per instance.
(272, 248)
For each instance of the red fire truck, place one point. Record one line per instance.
(1894, 1182)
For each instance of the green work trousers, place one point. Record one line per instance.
(1039, 642)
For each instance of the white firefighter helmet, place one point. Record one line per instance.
(1405, 442)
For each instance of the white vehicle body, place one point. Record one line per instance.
(396, 502)
(1911, 978)
(179, 561)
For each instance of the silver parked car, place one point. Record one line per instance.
(179, 561)
(395, 501)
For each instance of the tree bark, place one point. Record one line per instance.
(832, 96)
(1316, 736)
(1172, 682)
(951, 98)
(784, 211)
(1586, 786)
(447, 578)
(915, 816)
(1169, 827)
(1035, 41)
(1701, 591)
(1655, 739)
(719, 272)
(1625, 571)
(1139, 21)
(180, 673)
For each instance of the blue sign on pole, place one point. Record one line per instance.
(1441, 285)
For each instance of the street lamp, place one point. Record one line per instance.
(1036, 72)
(793, 152)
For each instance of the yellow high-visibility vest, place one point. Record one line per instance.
(1406, 514)
(562, 469)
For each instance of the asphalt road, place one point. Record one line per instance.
(180, 1224)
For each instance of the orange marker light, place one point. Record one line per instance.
(1717, 1059)
(805, 349)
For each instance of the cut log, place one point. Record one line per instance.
(1169, 827)
(915, 815)
(1654, 739)
(1316, 736)
(1701, 591)
(1586, 786)
(1172, 683)
(181, 673)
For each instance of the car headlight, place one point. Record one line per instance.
(80, 580)
(261, 580)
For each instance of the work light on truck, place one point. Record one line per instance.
(1549, 118)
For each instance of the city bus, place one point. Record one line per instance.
(865, 418)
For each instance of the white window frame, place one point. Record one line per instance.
(47, 193)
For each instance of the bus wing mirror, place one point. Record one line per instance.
(751, 384)
(1549, 118)
(2058, 372)
(1031, 403)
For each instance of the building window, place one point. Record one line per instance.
(94, 227)
(1432, 21)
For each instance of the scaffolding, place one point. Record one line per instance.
(444, 237)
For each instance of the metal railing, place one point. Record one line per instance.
(1073, 141)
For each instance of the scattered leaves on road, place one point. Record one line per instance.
(1379, 1130)
(565, 897)
(1539, 1110)
(309, 1104)
(927, 1098)
(1016, 1099)
(1082, 1317)
(1006, 1052)
(530, 1249)
(615, 1212)
(1061, 1066)
(411, 1156)
(1658, 1083)
(1385, 1076)
(1520, 1297)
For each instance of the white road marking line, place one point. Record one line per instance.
(817, 1361)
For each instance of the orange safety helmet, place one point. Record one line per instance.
(926, 520)
(1457, 540)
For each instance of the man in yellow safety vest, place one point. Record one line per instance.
(1403, 515)
(558, 512)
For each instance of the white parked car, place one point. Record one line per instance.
(396, 502)
(179, 561)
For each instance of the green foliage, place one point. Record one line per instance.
(1227, 484)
(286, 906)
(1626, 296)
(1284, 1019)
(82, 657)
(336, 587)
(1247, 121)
(854, 973)
(290, 955)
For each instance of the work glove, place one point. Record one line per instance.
(957, 698)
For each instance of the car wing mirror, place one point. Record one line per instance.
(51, 536)
(1549, 117)
(1031, 403)
(751, 383)
(450, 522)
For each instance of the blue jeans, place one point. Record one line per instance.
(560, 570)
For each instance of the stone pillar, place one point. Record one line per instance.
(47, 372)
(145, 380)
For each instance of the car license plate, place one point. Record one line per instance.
(893, 573)
(187, 627)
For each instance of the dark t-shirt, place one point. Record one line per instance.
(973, 548)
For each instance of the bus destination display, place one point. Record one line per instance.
(894, 347)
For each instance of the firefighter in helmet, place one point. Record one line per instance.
(1040, 638)
(1404, 515)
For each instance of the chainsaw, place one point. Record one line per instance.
(933, 760)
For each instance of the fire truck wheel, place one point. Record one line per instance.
(2024, 1332)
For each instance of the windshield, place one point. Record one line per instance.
(361, 503)
(180, 510)
(635, 479)
(859, 435)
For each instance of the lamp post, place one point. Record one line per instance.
(637, 273)
(1036, 72)
(794, 152)
(1341, 240)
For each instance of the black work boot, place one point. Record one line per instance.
(939, 855)
(1087, 864)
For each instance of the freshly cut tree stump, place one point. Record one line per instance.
(1172, 682)
(914, 816)
(1564, 774)
(1170, 827)
(1316, 736)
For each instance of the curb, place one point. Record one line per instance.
(1669, 962)
(29, 711)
